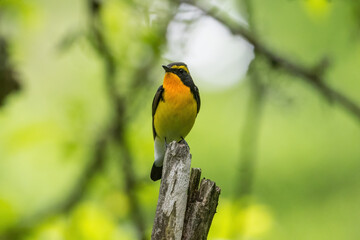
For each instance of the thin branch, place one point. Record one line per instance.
(250, 136)
(250, 133)
(122, 106)
(75, 195)
(118, 122)
(80, 187)
(8, 80)
(131, 184)
(249, 144)
(313, 76)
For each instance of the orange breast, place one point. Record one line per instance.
(175, 116)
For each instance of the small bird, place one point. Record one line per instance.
(174, 110)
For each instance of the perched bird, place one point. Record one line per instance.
(174, 109)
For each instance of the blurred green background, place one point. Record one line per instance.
(303, 152)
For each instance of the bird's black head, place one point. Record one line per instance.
(180, 69)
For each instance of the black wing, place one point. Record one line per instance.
(196, 93)
(187, 80)
(197, 98)
(158, 96)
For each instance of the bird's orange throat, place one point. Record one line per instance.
(171, 80)
(176, 92)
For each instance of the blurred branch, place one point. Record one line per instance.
(8, 84)
(8, 79)
(114, 132)
(251, 125)
(250, 136)
(312, 76)
(356, 14)
(82, 185)
(249, 144)
(118, 124)
(250, 133)
(75, 195)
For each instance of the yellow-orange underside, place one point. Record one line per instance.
(175, 116)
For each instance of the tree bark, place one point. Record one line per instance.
(201, 207)
(184, 211)
(171, 207)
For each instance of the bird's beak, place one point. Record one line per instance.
(167, 69)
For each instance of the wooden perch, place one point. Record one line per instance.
(184, 211)
(201, 206)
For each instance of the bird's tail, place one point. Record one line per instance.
(159, 151)
(156, 172)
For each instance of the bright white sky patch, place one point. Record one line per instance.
(216, 59)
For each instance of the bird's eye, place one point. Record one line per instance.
(181, 70)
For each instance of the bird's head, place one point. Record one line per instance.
(180, 69)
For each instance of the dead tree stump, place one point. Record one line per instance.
(184, 211)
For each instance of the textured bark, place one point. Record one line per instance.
(184, 210)
(201, 207)
(171, 207)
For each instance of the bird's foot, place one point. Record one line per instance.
(182, 141)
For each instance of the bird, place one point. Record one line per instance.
(175, 107)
